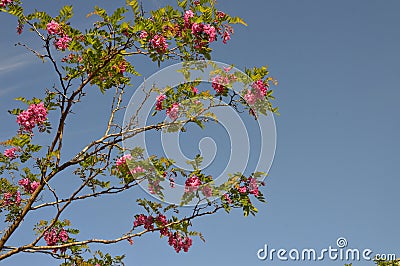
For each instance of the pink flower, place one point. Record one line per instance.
(20, 27)
(162, 219)
(63, 42)
(148, 224)
(207, 191)
(137, 169)
(34, 186)
(226, 37)
(18, 198)
(219, 83)
(121, 67)
(171, 182)
(173, 111)
(36, 114)
(139, 220)
(51, 237)
(197, 28)
(242, 190)
(10, 153)
(7, 198)
(160, 99)
(210, 30)
(192, 184)
(143, 34)
(188, 14)
(260, 88)
(122, 160)
(220, 14)
(4, 3)
(178, 243)
(195, 90)
(24, 182)
(227, 69)
(250, 97)
(53, 27)
(253, 187)
(63, 235)
(153, 186)
(227, 198)
(28, 186)
(259, 92)
(159, 43)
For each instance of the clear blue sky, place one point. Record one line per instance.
(336, 169)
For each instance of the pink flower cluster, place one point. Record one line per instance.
(192, 184)
(178, 242)
(159, 43)
(226, 37)
(253, 186)
(171, 182)
(219, 83)
(146, 221)
(160, 99)
(242, 189)
(10, 153)
(143, 34)
(211, 32)
(72, 58)
(53, 237)
(63, 41)
(122, 160)
(137, 169)
(162, 220)
(154, 186)
(28, 186)
(20, 27)
(121, 67)
(220, 14)
(10, 199)
(173, 111)
(260, 87)
(36, 114)
(207, 191)
(227, 198)
(53, 27)
(4, 3)
(199, 28)
(174, 239)
(258, 93)
(186, 17)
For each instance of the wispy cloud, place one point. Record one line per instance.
(4, 91)
(14, 62)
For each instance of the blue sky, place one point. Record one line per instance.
(335, 172)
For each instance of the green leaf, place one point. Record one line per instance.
(183, 4)
(65, 14)
(134, 6)
(15, 10)
(237, 20)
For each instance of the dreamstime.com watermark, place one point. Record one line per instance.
(340, 252)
